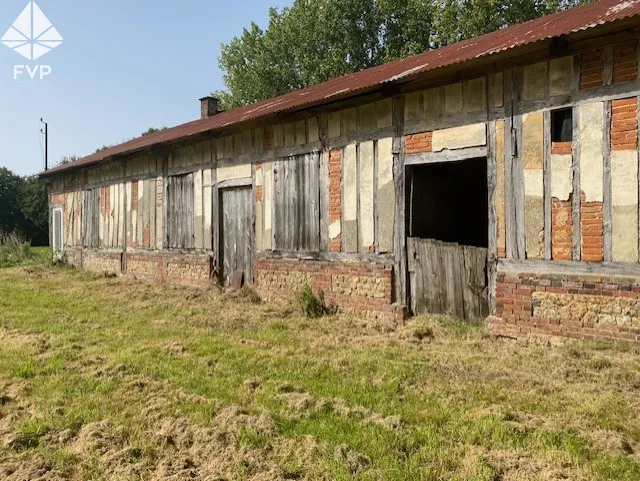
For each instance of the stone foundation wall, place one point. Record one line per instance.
(353, 286)
(173, 267)
(101, 261)
(580, 306)
(73, 256)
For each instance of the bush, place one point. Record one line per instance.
(14, 250)
(312, 305)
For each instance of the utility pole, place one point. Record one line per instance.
(46, 143)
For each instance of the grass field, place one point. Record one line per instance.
(109, 379)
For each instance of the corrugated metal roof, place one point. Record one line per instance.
(561, 23)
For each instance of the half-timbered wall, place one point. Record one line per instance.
(560, 139)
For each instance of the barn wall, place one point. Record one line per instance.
(553, 204)
(569, 206)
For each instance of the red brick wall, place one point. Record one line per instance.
(591, 69)
(625, 62)
(624, 124)
(592, 230)
(335, 194)
(417, 143)
(561, 229)
(580, 306)
(561, 148)
(353, 286)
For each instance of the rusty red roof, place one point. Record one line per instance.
(561, 23)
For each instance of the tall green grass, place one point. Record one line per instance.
(15, 250)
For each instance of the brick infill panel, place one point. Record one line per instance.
(580, 306)
(625, 62)
(591, 230)
(561, 148)
(419, 143)
(591, 69)
(624, 124)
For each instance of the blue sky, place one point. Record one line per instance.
(124, 66)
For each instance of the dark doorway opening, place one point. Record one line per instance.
(449, 202)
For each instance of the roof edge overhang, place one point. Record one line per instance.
(518, 55)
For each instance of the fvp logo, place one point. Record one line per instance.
(32, 35)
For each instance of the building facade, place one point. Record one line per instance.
(497, 177)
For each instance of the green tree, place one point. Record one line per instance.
(10, 214)
(152, 130)
(23, 207)
(316, 40)
(35, 210)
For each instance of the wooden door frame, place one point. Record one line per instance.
(419, 160)
(219, 231)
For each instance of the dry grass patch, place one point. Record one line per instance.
(108, 378)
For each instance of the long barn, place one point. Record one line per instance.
(496, 177)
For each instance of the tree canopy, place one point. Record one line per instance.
(316, 40)
(24, 207)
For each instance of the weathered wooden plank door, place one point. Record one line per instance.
(448, 278)
(236, 233)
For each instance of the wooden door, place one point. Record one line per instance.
(236, 233)
(448, 278)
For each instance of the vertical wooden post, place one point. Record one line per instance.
(546, 175)
(517, 164)
(323, 134)
(124, 217)
(165, 200)
(492, 235)
(509, 207)
(400, 237)
(215, 214)
(606, 188)
(576, 197)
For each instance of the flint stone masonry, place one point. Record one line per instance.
(605, 311)
(579, 306)
(101, 261)
(353, 286)
(171, 267)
